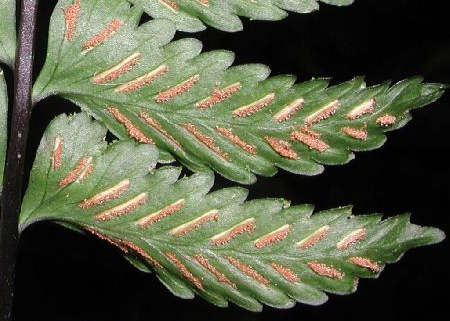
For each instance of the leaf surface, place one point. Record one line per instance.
(207, 114)
(3, 126)
(214, 244)
(192, 15)
(8, 31)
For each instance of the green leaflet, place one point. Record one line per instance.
(3, 126)
(213, 244)
(191, 15)
(232, 120)
(7, 31)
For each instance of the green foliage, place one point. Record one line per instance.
(7, 31)
(166, 100)
(191, 15)
(235, 120)
(213, 244)
(3, 125)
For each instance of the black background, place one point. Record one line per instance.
(65, 276)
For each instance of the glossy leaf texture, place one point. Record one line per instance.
(8, 31)
(192, 15)
(3, 126)
(214, 244)
(207, 114)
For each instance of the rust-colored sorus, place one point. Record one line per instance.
(172, 5)
(187, 274)
(139, 250)
(132, 130)
(351, 238)
(177, 89)
(366, 107)
(254, 107)
(288, 274)
(357, 133)
(211, 268)
(218, 95)
(282, 147)
(237, 140)
(141, 81)
(273, 237)
(157, 126)
(185, 228)
(118, 70)
(312, 239)
(73, 174)
(323, 113)
(247, 226)
(204, 2)
(87, 171)
(99, 38)
(248, 270)
(365, 262)
(57, 153)
(386, 120)
(117, 243)
(325, 270)
(110, 193)
(206, 140)
(287, 112)
(70, 16)
(122, 209)
(148, 220)
(310, 138)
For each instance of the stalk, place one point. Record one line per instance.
(12, 183)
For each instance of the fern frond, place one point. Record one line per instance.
(235, 120)
(191, 15)
(213, 244)
(3, 126)
(8, 31)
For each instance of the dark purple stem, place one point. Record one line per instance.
(12, 183)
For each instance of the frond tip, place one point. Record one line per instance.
(208, 115)
(216, 245)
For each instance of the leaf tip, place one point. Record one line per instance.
(433, 235)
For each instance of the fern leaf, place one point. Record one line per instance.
(191, 15)
(235, 120)
(8, 31)
(213, 244)
(3, 126)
